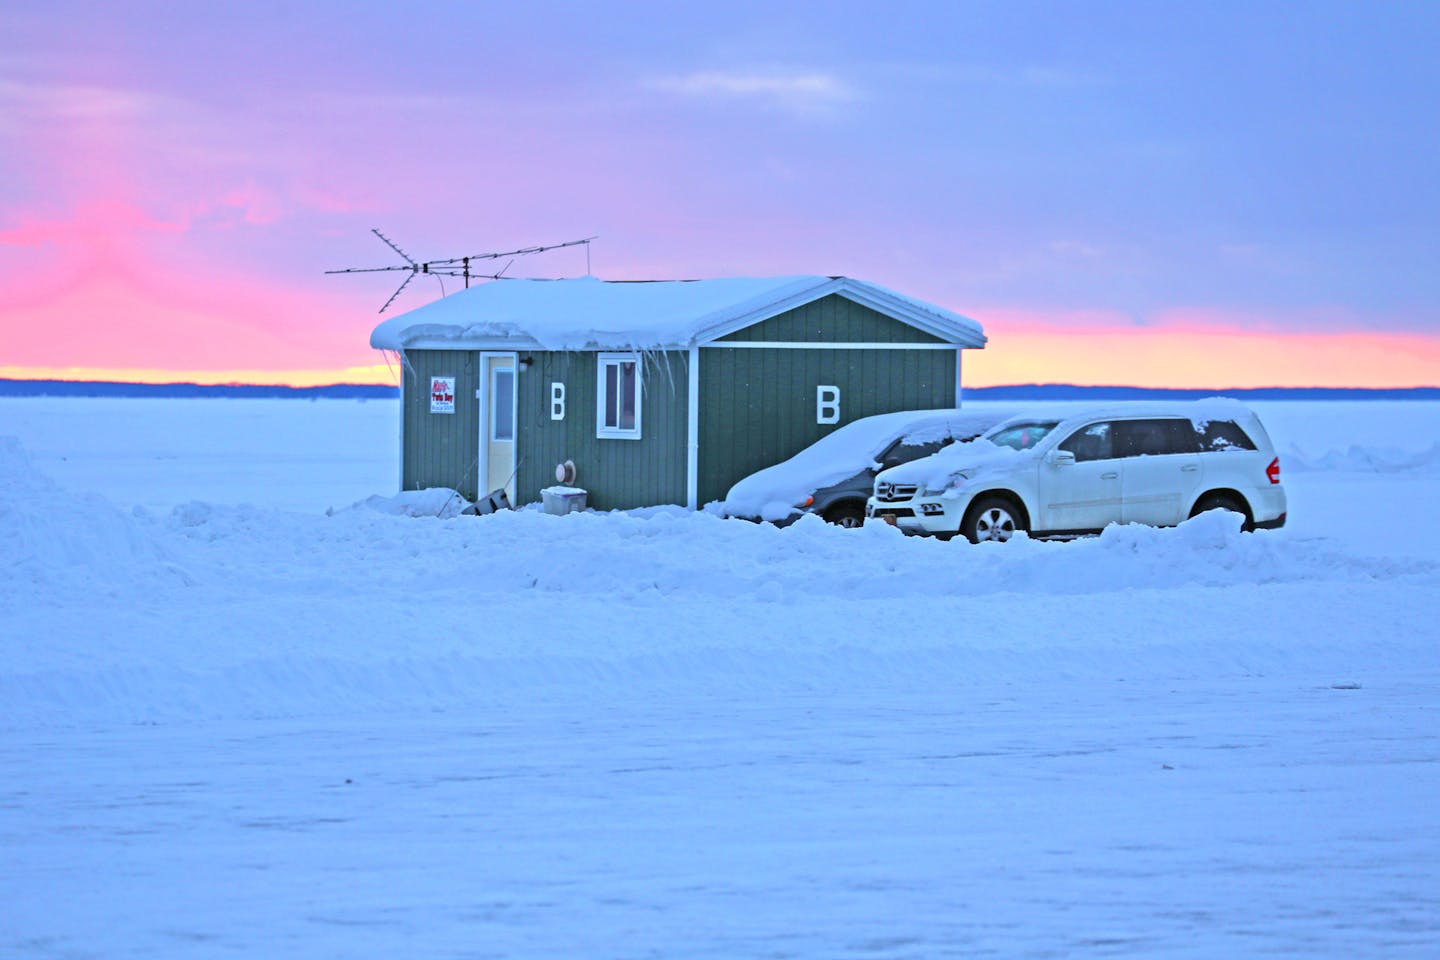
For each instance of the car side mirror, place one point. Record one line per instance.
(1060, 458)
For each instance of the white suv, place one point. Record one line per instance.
(1154, 463)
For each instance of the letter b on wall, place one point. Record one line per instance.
(827, 404)
(557, 401)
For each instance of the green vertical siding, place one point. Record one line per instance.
(619, 474)
(441, 449)
(757, 406)
(834, 319)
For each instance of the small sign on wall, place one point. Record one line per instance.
(442, 394)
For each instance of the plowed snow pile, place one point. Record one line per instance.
(214, 610)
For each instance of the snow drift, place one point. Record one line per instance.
(219, 610)
(1365, 459)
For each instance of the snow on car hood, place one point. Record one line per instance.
(774, 492)
(979, 456)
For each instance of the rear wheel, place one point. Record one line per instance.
(848, 514)
(992, 518)
(1224, 501)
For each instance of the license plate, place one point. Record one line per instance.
(888, 518)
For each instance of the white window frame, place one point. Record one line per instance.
(604, 361)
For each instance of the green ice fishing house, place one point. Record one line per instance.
(659, 392)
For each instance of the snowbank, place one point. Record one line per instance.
(440, 502)
(64, 547)
(222, 611)
(1364, 459)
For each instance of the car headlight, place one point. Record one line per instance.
(952, 482)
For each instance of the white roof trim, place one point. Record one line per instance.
(826, 345)
(907, 311)
(487, 318)
(473, 343)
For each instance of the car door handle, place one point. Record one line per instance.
(1109, 476)
(1189, 468)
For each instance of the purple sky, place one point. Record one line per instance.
(174, 179)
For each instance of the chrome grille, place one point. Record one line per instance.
(895, 492)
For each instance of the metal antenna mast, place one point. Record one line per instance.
(455, 266)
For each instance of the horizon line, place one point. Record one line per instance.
(1031, 385)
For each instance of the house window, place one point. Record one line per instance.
(618, 397)
(502, 404)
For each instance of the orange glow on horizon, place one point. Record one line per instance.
(378, 374)
(1190, 358)
(1150, 357)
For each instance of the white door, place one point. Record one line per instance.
(1161, 466)
(1084, 495)
(498, 396)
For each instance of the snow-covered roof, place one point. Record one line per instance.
(589, 314)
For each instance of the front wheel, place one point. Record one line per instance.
(992, 518)
(848, 515)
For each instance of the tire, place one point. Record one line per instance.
(992, 518)
(1223, 501)
(847, 514)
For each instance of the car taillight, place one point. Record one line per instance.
(1273, 471)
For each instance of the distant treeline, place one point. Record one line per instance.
(1065, 391)
(1024, 391)
(247, 391)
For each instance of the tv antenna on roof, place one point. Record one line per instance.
(455, 266)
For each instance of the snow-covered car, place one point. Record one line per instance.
(835, 475)
(1151, 463)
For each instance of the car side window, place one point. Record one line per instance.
(1154, 438)
(901, 452)
(1223, 435)
(1094, 442)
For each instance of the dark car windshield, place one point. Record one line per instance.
(1021, 436)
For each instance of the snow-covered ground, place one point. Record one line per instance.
(234, 725)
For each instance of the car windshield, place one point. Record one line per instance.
(1021, 436)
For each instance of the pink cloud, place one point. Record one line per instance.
(121, 317)
(256, 205)
(94, 223)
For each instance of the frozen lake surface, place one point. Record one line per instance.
(1234, 817)
(235, 726)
